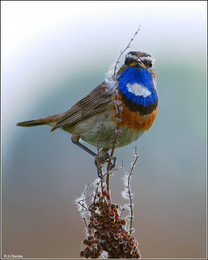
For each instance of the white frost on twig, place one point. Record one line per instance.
(127, 194)
(81, 203)
(111, 80)
(104, 255)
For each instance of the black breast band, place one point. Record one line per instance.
(138, 108)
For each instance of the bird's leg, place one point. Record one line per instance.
(74, 141)
(104, 157)
(99, 161)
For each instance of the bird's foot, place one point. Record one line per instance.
(102, 159)
(113, 163)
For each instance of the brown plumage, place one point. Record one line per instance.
(95, 113)
(95, 102)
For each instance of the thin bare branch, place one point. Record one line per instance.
(117, 132)
(89, 231)
(129, 191)
(118, 111)
(100, 168)
(122, 52)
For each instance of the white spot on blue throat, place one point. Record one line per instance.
(138, 90)
(137, 85)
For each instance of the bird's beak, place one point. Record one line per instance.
(141, 63)
(138, 62)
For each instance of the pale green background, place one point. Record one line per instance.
(54, 53)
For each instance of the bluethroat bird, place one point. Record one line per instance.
(96, 113)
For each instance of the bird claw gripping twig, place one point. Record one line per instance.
(101, 159)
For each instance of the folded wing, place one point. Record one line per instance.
(95, 102)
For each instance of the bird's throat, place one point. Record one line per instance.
(137, 90)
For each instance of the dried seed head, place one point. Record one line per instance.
(107, 224)
(111, 215)
(105, 193)
(107, 232)
(97, 235)
(123, 222)
(116, 236)
(114, 244)
(113, 206)
(108, 246)
(120, 241)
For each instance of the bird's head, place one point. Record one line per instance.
(137, 83)
(139, 60)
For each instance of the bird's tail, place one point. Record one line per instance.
(50, 120)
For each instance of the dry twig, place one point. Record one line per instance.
(129, 191)
(118, 111)
(122, 52)
(106, 231)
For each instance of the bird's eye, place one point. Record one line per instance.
(150, 64)
(147, 63)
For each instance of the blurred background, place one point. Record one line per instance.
(54, 53)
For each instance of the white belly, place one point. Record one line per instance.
(100, 130)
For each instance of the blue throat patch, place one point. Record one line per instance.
(142, 77)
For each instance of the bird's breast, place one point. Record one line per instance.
(134, 119)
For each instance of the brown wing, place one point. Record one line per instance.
(96, 101)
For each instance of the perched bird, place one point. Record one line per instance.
(96, 113)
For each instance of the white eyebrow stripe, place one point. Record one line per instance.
(152, 59)
(129, 55)
(138, 90)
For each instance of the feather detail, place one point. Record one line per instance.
(95, 102)
(50, 120)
